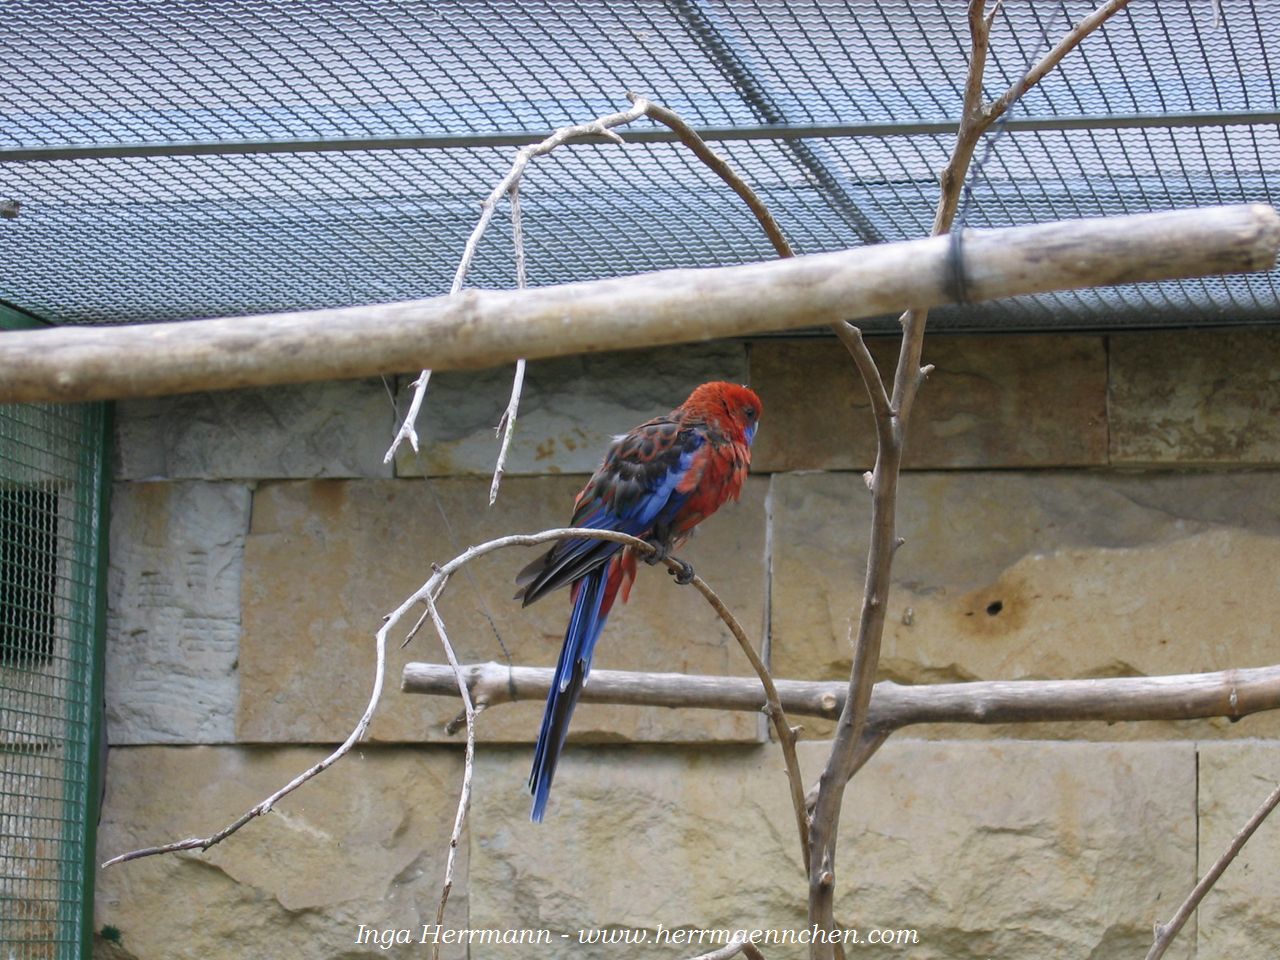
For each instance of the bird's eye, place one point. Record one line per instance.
(750, 412)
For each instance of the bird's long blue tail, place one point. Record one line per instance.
(580, 638)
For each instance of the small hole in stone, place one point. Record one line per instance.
(994, 607)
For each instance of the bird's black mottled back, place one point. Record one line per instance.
(635, 466)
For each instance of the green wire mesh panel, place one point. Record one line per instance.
(50, 508)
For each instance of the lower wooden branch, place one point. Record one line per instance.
(1228, 693)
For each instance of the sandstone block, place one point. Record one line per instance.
(338, 428)
(570, 408)
(1236, 918)
(1044, 575)
(984, 849)
(1186, 398)
(363, 843)
(173, 611)
(1010, 401)
(326, 559)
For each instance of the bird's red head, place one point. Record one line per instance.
(732, 407)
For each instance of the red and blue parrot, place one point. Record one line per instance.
(657, 483)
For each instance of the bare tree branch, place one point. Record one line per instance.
(732, 949)
(362, 725)
(691, 139)
(1165, 932)
(468, 767)
(773, 707)
(601, 126)
(485, 328)
(1232, 694)
(507, 425)
(1069, 41)
(977, 118)
(851, 337)
(849, 748)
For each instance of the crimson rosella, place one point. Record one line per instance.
(657, 483)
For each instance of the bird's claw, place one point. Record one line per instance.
(659, 554)
(684, 576)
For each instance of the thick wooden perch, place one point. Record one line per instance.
(1229, 693)
(480, 328)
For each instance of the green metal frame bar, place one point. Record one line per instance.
(96, 741)
(93, 515)
(15, 318)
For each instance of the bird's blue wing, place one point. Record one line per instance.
(634, 490)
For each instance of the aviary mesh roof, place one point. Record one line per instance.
(177, 160)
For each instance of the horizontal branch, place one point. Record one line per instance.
(482, 328)
(1228, 693)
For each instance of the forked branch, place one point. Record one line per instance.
(853, 743)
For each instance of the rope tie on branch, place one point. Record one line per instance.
(957, 280)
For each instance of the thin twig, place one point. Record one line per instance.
(468, 767)
(600, 127)
(507, 425)
(735, 946)
(362, 725)
(408, 430)
(690, 138)
(851, 337)
(1070, 40)
(977, 118)
(1165, 932)
(781, 725)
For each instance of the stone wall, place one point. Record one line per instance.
(1076, 506)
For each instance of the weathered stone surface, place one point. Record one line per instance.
(339, 428)
(1010, 401)
(569, 408)
(1045, 575)
(326, 559)
(1210, 397)
(1004, 849)
(173, 611)
(363, 843)
(1237, 918)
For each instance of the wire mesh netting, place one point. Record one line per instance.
(50, 458)
(173, 160)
